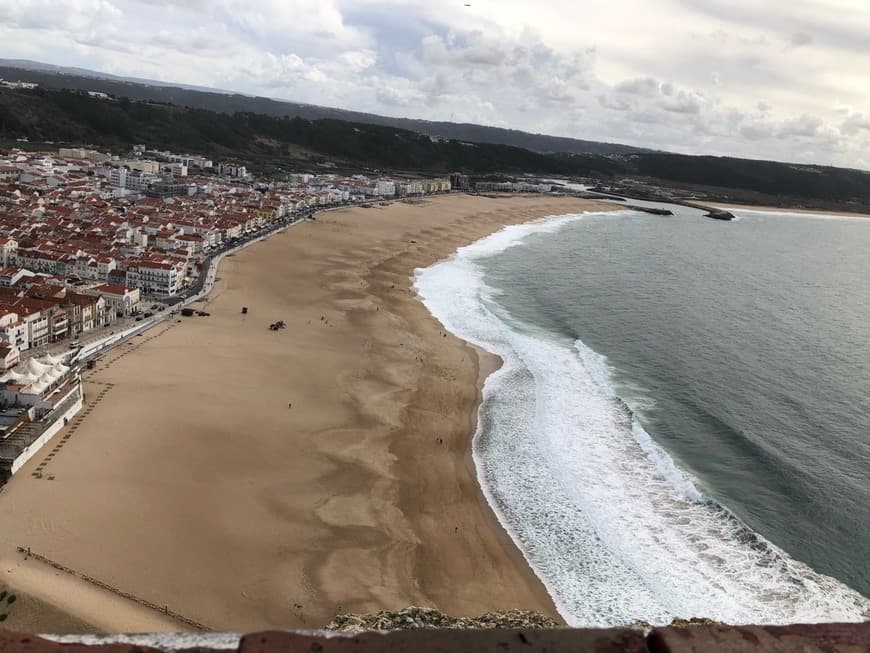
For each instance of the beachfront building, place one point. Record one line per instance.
(409, 188)
(120, 301)
(36, 323)
(458, 181)
(493, 186)
(45, 315)
(87, 312)
(157, 278)
(436, 185)
(385, 188)
(36, 401)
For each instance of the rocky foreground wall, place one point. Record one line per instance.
(821, 638)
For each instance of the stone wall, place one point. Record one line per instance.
(827, 638)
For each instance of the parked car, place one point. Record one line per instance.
(74, 344)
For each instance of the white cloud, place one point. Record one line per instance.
(734, 77)
(805, 126)
(646, 86)
(67, 15)
(800, 39)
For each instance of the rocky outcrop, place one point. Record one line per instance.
(718, 214)
(430, 618)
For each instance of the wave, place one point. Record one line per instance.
(792, 214)
(615, 530)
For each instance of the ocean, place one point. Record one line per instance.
(681, 427)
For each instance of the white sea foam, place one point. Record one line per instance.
(614, 529)
(785, 213)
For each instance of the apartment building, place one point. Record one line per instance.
(157, 278)
(120, 301)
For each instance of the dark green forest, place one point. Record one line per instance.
(224, 102)
(770, 177)
(73, 117)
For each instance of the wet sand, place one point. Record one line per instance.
(773, 209)
(249, 478)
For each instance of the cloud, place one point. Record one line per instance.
(841, 24)
(803, 126)
(800, 39)
(615, 103)
(67, 15)
(645, 86)
(754, 132)
(721, 76)
(685, 102)
(854, 123)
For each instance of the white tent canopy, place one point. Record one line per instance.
(37, 375)
(35, 389)
(35, 367)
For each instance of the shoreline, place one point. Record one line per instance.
(773, 209)
(342, 503)
(464, 313)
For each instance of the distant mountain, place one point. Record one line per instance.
(197, 97)
(21, 69)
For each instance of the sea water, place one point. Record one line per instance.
(681, 427)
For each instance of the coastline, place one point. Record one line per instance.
(775, 209)
(519, 491)
(344, 501)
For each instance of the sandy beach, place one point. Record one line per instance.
(248, 478)
(773, 209)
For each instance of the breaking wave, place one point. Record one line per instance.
(615, 530)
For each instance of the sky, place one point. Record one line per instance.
(774, 79)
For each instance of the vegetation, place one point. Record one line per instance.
(772, 178)
(75, 117)
(280, 143)
(53, 77)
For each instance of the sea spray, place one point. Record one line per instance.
(614, 529)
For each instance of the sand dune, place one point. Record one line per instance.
(194, 484)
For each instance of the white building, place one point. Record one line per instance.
(13, 332)
(120, 300)
(385, 188)
(159, 279)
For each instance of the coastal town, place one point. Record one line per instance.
(94, 243)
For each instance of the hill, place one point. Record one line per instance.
(75, 117)
(57, 77)
(281, 143)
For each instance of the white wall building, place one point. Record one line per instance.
(385, 188)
